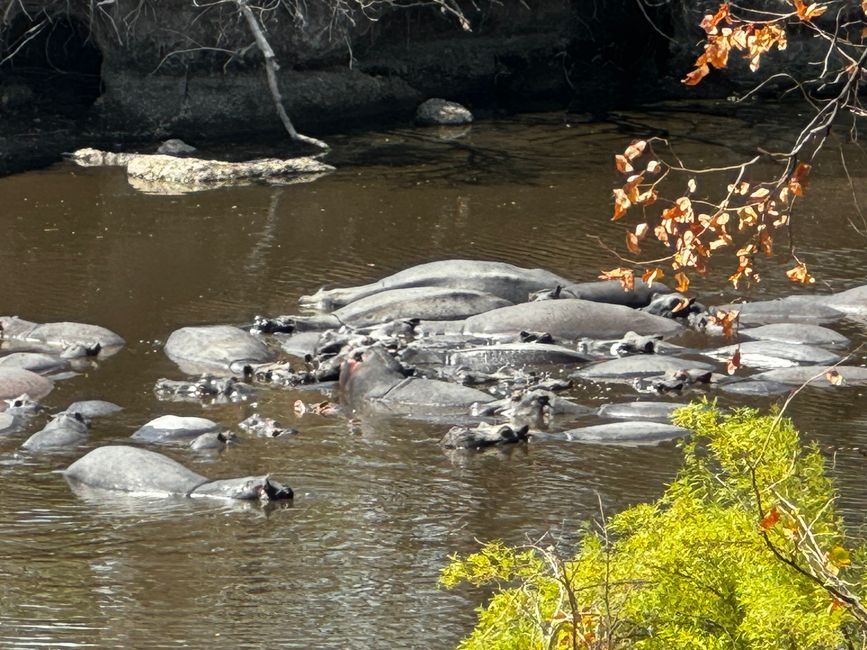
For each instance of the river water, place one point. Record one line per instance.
(379, 507)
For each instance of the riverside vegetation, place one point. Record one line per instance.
(744, 549)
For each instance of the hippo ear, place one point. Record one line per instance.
(521, 434)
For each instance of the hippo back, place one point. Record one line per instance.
(133, 470)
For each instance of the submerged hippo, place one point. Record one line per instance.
(65, 430)
(621, 433)
(499, 279)
(17, 381)
(796, 334)
(60, 335)
(147, 473)
(215, 348)
(484, 435)
(792, 309)
(608, 291)
(35, 362)
(372, 378)
(173, 427)
(624, 368)
(774, 354)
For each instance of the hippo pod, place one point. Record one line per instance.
(505, 281)
(146, 473)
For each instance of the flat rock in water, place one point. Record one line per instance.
(660, 411)
(215, 347)
(93, 408)
(796, 334)
(639, 366)
(568, 320)
(773, 354)
(34, 361)
(628, 433)
(17, 381)
(173, 427)
(851, 376)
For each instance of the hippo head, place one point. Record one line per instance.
(263, 488)
(368, 373)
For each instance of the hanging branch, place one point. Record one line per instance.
(271, 69)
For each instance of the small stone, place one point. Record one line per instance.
(175, 147)
(439, 112)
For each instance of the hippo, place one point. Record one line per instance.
(632, 367)
(620, 433)
(215, 348)
(796, 334)
(792, 309)
(488, 358)
(35, 362)
(483, 435)
(750, 388)
(17, 381)
(217, 389)
(60, 335)
(93, 408)
(660, 411)
(427, 303)
(773, 354)
(852, 302)
(373, 379)
(569, 320)
(851, 375)
(172, 427)
(608, 291)
(65, 430)
(265, 427)
(505, 281)
(8, 423)
(213, 440)
(142, 472)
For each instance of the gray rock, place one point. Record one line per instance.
(175, 147)
(173, 427)
(440, 112)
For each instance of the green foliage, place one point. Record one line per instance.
(694, 569)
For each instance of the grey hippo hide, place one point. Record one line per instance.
(219, 349)
(505, 281)
(61, 335)
(371, 378)
(140, 472)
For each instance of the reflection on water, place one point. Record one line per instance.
(379, 507)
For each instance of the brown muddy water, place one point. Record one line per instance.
(353, 562)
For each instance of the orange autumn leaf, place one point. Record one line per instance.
(641, 231)
(632, 243)
(682, 282)
(621, 203)
(726, 320)
(623, 165)
(635, 149)
(626, 277)
(800, 274)
(709, 23)
(798, 180)
(651, 275)
(735, 362)
(770, 518)
(808, 12)
(692, 78)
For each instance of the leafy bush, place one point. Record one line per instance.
(743, 550)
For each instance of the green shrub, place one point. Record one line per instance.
(743, 550)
